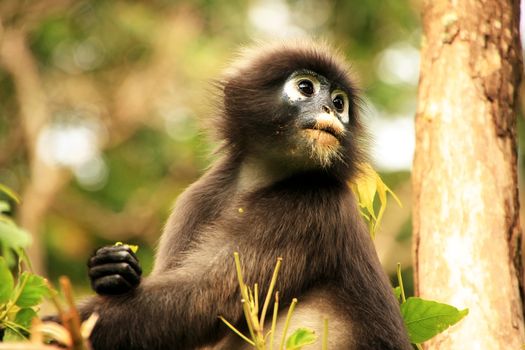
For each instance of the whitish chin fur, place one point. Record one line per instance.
(324, 147)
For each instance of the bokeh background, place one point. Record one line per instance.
(102, 105)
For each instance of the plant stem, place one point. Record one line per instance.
(287, 322)
(244, 294)
(248, 317)
(256, 299)
(400, 281)
(20, 287)
(16, 327)
(244, 291)
(232, 327)
(274, 319)
(25, 258)
(74, 317)
(270, 290)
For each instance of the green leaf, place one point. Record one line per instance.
(6, 281)
(34, 289)
(9, 255)
(10, 193)
(397, 292)
(425, 318)
(13, 237)
(12, 335)
(365, 187)
(24, 317)
(4, 207)
(301, 337)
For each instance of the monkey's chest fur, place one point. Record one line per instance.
(329, 262)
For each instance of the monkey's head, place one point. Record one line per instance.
(293, 107)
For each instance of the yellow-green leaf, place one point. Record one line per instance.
(12, 236)
(10, 193)
(301, 337)
(7, 282)
(4, 207)
(134, 248)
(13, 335)
(397, 292)
(365, 188)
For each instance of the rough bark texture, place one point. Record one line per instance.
(466, 228)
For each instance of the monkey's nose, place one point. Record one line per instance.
(326, 109)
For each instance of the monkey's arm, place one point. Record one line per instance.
(173, 310)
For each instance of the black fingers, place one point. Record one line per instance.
(122, 269)
(115, 254)
(114, 270)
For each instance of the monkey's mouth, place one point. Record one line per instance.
(322, 136)
(324, 130)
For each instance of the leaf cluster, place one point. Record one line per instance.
(365, 187)
(13, 239)
(20, 291)
(19, 299)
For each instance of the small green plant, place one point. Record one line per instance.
(424, 319)
(21, 291)
(260, 339)
(19, 299)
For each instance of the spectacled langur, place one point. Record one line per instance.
(291, 140)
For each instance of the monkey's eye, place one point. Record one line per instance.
(300, 87)
(306, 87)
(341, 104)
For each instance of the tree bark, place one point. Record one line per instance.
(467, 236)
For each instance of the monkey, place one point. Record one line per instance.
(291, 139)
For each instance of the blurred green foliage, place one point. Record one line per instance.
(133, 79)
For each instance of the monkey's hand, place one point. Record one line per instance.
(114, 270)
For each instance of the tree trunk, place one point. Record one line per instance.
(467, 235)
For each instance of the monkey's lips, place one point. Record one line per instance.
(323, 137)
(325, 131)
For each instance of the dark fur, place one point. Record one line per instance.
(306, 216)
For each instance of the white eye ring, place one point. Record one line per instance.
(343, 113)
(291, 89)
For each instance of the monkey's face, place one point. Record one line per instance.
(295, 108)
(320, 118)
